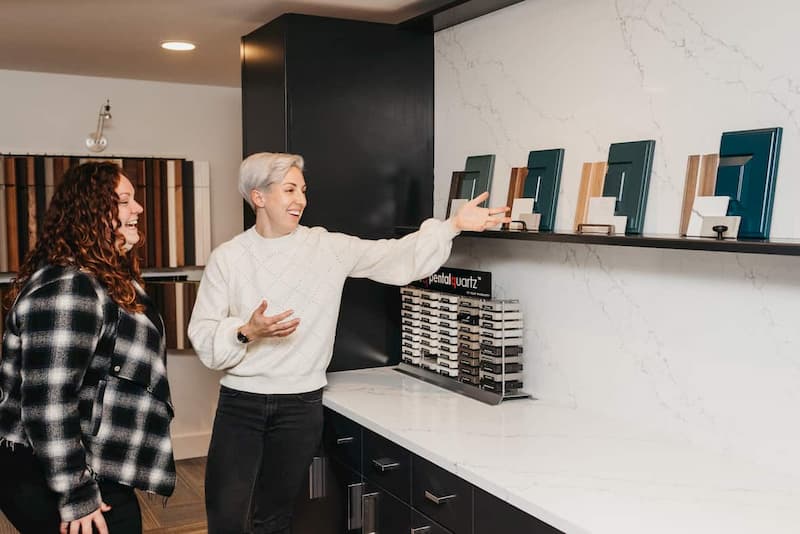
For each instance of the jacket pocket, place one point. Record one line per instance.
(97, 407)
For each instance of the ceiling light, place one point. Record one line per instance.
(182, 46)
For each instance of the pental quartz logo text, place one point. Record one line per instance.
(459, 282)
(467, 282)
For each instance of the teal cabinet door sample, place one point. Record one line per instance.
(628, 179)
(462, 186)
(484, 165)
(468, 181)
(748, 167)
(543, 183)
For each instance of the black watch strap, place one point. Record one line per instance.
(241, 338)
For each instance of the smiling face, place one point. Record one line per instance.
(128, 214)
(280, 206)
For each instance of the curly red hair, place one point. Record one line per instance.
(81, 229)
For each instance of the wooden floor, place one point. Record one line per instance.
(185, 512)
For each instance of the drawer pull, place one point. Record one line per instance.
(346, 440)
(438, 500)
(421, 530)
(385, 464)
(369, 524)
(355, 512)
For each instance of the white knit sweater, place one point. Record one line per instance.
(304, 271)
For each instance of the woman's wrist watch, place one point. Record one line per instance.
(241, 338)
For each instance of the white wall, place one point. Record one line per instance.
(702, 345)
(53, 113)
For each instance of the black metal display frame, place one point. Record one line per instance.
(782, 247)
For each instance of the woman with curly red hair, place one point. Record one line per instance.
(84, 401)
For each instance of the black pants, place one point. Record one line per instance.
(260, 451)
(32, 507)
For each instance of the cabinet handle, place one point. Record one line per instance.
(355, 516)
(370, 510)
(316, 478)
(421, 530)
(438, 500)
(345, 440)
(385, 464)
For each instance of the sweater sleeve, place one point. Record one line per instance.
(400, 261)
(212, 330)
(59, 328)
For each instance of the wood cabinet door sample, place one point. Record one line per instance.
(12, 221)
(3, 225)
(543, 184)
(748, 167)
(516, 185)
(484, 165)
(628, 179)
(708, 175)
(21, 170)
(166, 213)
(40, 194)
(188, 212)
(701, 176)
(689, 191)
(592, 176)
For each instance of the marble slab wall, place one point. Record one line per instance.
(702, 345)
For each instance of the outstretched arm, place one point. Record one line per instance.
(417, 255)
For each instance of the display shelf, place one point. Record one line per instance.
(783, 247)
(189, 273)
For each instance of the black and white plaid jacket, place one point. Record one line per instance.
(84, 383)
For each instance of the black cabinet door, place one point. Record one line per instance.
(388, 465)
(441, 496)
(342, 440)
(493, 515)
(425, 525)
(332, 512)
(384, 513)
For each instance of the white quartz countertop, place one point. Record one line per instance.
(577, 471)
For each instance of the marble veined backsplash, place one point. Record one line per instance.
(702, 345)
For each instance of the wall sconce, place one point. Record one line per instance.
(96, 142)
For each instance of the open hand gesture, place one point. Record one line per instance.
(88, 524)
(471, 217)
(260, 325)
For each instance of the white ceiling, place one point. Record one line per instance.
(120, 38)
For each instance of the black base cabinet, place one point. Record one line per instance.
(363, 483)
(327, 511)
(424, 525)
(493, 515)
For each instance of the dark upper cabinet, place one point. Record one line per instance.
(355, 99)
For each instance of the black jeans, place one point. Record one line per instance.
(32, 507)
(260, 451)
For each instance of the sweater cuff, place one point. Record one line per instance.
(231, 326)
(445, 229)
(451, 230)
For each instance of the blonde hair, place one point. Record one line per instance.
(262, 169)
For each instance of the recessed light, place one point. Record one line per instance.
(181, 46)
